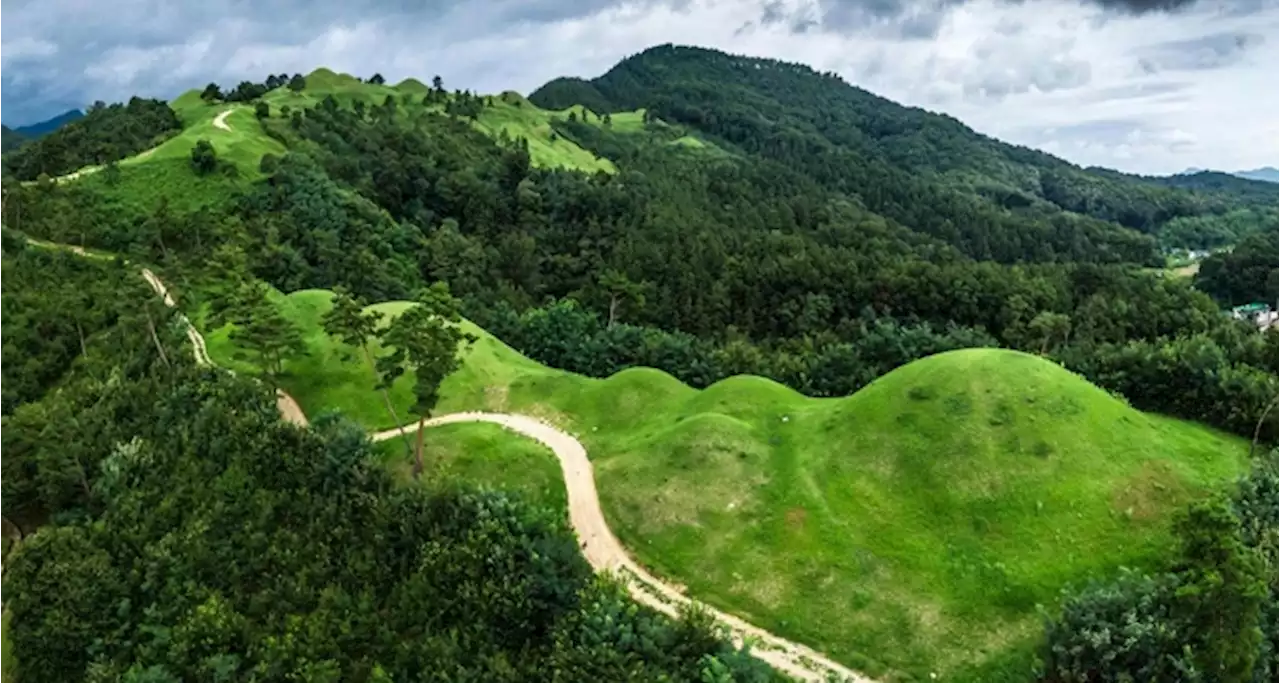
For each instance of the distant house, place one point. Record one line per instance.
(1260, 314)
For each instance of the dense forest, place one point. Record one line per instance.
(1246, 274)
(821, 236)
(11, 139)
(924, 170)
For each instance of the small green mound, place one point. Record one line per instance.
(412, 86)
(328, 79)
(908, 529)
(486, 455)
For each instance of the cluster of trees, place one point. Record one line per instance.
(1210, 616)
(11, 139)
(248, 91)
(80, 332)
(301, 561)
(1244, 275)
(107, 133)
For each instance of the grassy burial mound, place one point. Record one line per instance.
(912, 527)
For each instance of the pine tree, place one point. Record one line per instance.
(348, 322)
(264, 331)
(425, 339)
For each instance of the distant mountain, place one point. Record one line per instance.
(11, 139)
(1268, 174)
(47, 126)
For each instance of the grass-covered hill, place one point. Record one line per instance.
(911, 528)
(925, 170)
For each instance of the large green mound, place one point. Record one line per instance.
(910, 528)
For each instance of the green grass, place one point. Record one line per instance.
(517, 117)
(165, 172)
(486, 455)
(9, 669)
(909, 529)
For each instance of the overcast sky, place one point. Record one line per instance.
(1150, 86)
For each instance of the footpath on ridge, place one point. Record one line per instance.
(601, 548)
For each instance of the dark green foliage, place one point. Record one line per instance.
(299, 559)
(11, 139)
(1194, 377)
(307, 232)
(204, 158)
(260, 327)
(926, 171)
(80, 334)
(106, 133)
(297, 83)
(566, 336)
(262, 110)
(211, 93)
(1202, 620)
(1246, 274)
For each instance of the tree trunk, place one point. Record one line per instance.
(386, 398)
(151, 327)
(1257, 429)
(417, 456)
(84, 351)
(613, 309)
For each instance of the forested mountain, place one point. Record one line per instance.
(923, 170)
(17, 137)
(1266, 174)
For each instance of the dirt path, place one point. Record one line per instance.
(605, 553)
(601, 548)
(220, 121)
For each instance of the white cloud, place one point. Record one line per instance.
(1153, 92)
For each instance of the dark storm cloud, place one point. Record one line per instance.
(904, 19)
(1198, 54)
(922, 19)
(71, 52)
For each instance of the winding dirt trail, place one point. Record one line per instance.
(606, 554)
(600, 547)
(220, 121)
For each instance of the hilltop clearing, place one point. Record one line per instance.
(911, 527)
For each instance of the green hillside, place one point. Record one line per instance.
(508, 113)
(925, 170)
(912, 527)
(166, 172)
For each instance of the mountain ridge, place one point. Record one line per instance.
(924, 170)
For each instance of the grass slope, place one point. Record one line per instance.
(9, 665)
(909, 529)
(164, 172)
(488, 455)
